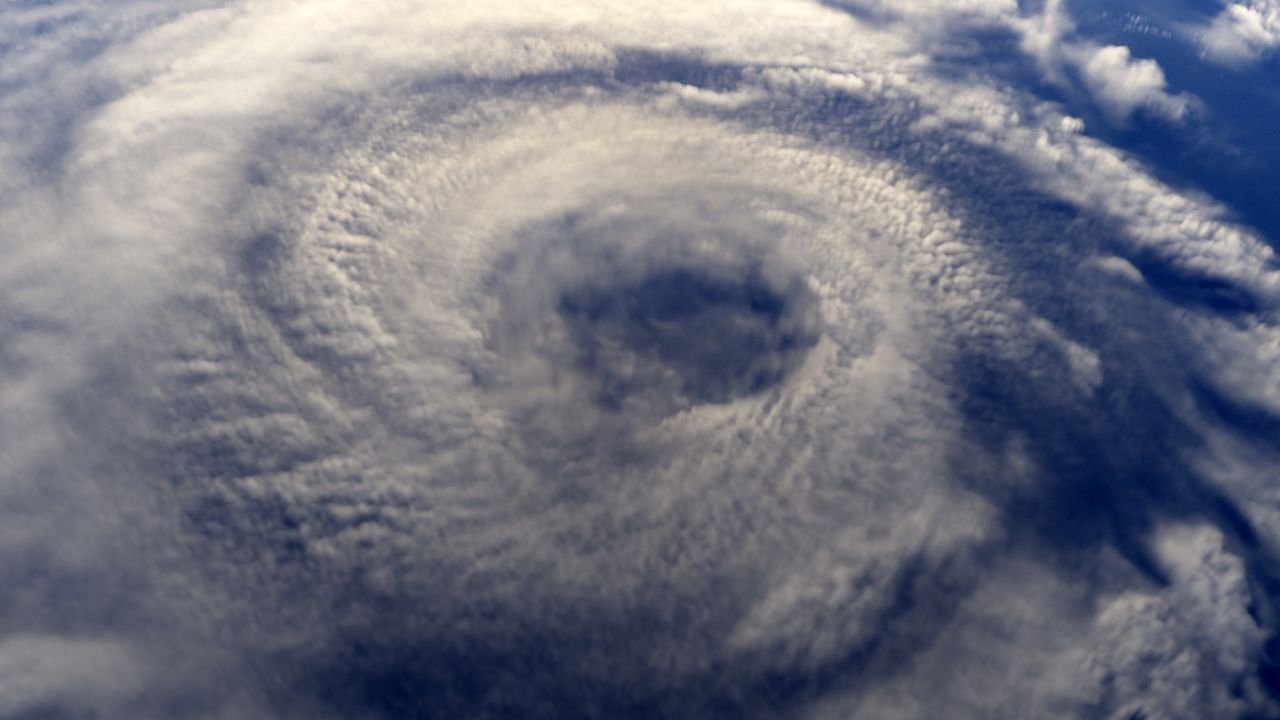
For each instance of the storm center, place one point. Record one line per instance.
(680, 337)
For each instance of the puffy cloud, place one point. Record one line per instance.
(1117, 82)
(1122, 84)
(1071, 650)
(1163, 655)
(1242, 32)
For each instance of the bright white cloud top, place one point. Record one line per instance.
(761, 359)
(1242, 32)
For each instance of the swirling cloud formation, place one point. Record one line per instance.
(494, 359)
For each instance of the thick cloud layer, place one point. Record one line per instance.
(767, 359)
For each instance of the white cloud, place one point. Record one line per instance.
(1241, 33)
(1122, 85)
(290, 287)
(1163, 655)
(1073, 649)
(1117, 82)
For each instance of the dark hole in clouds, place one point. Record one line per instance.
(1246, 420)
(688, 334)
(1191, 291)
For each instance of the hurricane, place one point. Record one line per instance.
(594, 359)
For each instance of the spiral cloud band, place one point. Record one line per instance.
(496, 359)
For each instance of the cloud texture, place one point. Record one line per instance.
(1242, 32)
(764, 359)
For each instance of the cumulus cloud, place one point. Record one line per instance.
(1241, 33)
(1166, 652)
(1117, 82)
(1122, 84)
(592, 359)
(1141, 652)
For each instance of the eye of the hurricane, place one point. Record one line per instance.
(680, 337)
(623, 319)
